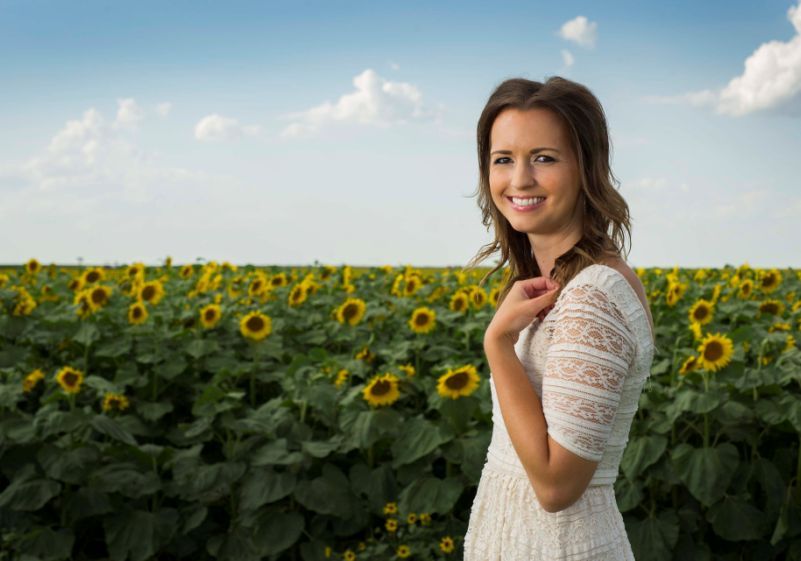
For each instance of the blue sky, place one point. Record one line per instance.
(344, 132)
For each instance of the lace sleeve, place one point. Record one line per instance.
(589, 355)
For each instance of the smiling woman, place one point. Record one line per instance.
(571, 341)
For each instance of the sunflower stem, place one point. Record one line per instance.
(706, 418)
(370, 456)
(798, 464)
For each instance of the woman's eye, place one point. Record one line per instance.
(549, 159)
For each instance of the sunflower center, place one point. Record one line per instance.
(98, 296)
(701, 312)
(381, 387)
(350, 311)
(210, 314)
(770, 308)
(255, 323)
(148, 293)
(70, 378)
(422, 319)
(91, 277)
(137, 312)
(457, 381)
(713, 351)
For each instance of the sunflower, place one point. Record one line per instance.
(425, 518)
(423, 320)
(342, 377)
(745, 290)
(210, 315)
(459, 302)
(351, 311)
(478, 297)
(413, 284)
(278, 280)
(33, 266)
(493, 296)
(391, 508)
(137, 313)
(774, 307)
(115, 401)
(382, 390)
(135, 270)
(408, 369)
(674, 293)
(411, 519)
(457, 383)
(391, 524)
(83, 303)
(366, 355)
(769, 280)
(790, 343)
(187, 271)
(690, 364)
(779, 326)
(93, 275)
(404, 551)
(70, 379)
(99, 296)
(446, 544)
(715, 351)
(255, 326)
(701, 312)
(151, 292)
(298, 294)
(349, 555)
(32, 380)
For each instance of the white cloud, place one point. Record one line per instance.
(771, 79)
(129, 114)
(394, 66)
(163, 109)
(216, 127)
(567, 58)
(579, 30)
(376, 101)
(87, 161)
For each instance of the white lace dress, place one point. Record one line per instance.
(595, 348)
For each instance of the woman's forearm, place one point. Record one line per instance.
(522, 414)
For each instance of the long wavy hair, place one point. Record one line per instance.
(606, 214)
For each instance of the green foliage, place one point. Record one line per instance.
(239, 449)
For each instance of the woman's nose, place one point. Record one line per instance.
(523, 175)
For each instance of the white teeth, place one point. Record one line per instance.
(527, 202)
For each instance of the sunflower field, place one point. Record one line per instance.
(211, 411)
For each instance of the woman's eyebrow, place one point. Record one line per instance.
(533, 150)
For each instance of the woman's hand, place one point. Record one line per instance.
(527, 299)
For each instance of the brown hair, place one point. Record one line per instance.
(585, 123)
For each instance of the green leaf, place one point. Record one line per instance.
(153, 411)
(48, 544)
(640, 453)
(734, 519)
(654, 538)
(29, 495)
(431, 494)
(108, 426)
(114, 348)
(707, 472)
(327, 494)
(126, 479)
(628, 494)
(87, 334)
(86, 502)
(277, 531)
(275, 453)
(67, 465)
(131, 535)
(419, 437)
(321, 449)
(265, 486)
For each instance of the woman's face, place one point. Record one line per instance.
(530, 156)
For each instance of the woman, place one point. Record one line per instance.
(571, 342)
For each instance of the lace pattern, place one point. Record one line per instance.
(588, 360)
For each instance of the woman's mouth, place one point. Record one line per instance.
(526, 204)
